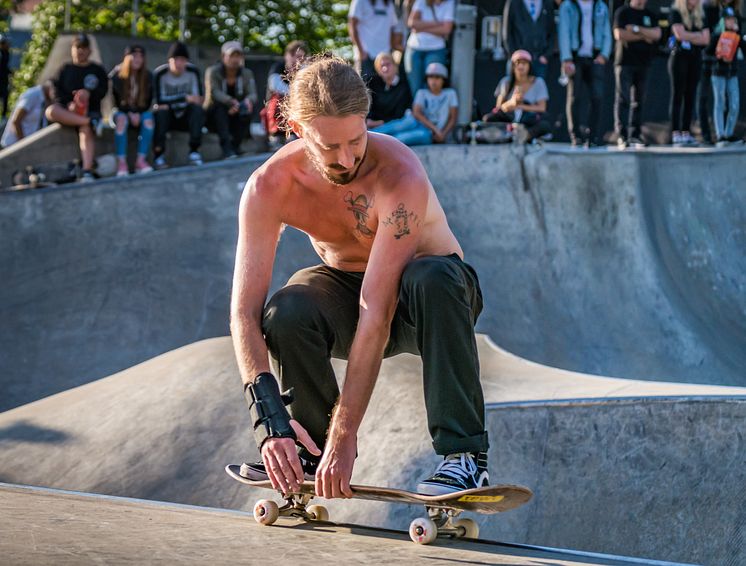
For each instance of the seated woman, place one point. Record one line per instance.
(389, 90)
(521, 98)
(132, 87)
(433, 114)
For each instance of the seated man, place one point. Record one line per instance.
(277, 87)
(389, 91)
(178, 104)
(433, 114)
(28, 114)
(393, 279)
(230, 99)
(79, 88)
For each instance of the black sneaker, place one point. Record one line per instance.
(257, 471)
(466, 470)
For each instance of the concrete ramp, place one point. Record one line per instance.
(658, 474)
(41, 526)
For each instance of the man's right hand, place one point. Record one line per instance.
(568, 68)
(281, 460)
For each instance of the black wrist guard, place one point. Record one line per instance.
(269, 416)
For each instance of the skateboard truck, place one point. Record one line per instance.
(266, 511)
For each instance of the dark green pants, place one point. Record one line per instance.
(314, 317)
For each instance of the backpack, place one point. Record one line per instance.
(727, 46)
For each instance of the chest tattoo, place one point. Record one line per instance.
(359, 207)
(400, 219)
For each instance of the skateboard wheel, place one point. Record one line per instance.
(318, 512)
(266, 512)
(423, 531)
(469, 526)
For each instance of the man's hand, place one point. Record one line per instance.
(543, 60)
(234, 108)
(81, 96)
(568, 68)
(335, 470)
(281, 459)
(194, 99)
(600, 60)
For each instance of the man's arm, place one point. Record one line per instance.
(215, 87)
(17, 122)
(402, 206)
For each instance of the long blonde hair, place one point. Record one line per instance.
(696, 17)
(324, 86)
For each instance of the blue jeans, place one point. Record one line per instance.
(415, 63)
(145, 134)
(407, 130)
(722, 86)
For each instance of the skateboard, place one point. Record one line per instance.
(442, 510)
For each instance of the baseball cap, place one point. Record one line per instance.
(729, 12)
(81, 40)
(521, 55)
(436, 69)
(230, 47)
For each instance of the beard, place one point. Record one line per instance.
(331, 173)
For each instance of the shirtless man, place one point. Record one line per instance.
(392, 280)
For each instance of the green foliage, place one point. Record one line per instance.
(263, 25)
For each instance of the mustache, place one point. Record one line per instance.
(338, 167)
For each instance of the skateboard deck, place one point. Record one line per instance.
(441, 508)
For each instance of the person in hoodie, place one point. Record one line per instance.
(585, 46)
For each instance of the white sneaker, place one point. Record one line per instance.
(457, 472)
(160, 162)
(195, 158)
(676, 138)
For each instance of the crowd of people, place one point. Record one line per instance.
(403, 58)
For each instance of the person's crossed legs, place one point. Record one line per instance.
(86, 137)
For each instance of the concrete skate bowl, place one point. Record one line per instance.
(616, 264)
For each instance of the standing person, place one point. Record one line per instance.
(389, 92)
(431, 23)
(132, 88)
(434, 112)
(5, 73)
(278, 83)
(690, 36)
(79, 88)
(704, 93)
(28, 115)
(178, 104)
(637, 34)
(392, 279)
(529, 25)
(373, 29)
(725, 43)
(585, 46)
(521, 98)
(231, 97)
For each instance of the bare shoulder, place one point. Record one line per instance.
(268, 186)
(398, 167)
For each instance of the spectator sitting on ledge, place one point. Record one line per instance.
(390, 95)
(433, 115)
(521, 98)
(28, 115)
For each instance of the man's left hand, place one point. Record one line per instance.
(600, 60)
(543, 60)
(335, 469)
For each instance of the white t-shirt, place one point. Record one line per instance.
(443, 12)
(33, 102)
(436, 107)
(586, 28)
(374, 23)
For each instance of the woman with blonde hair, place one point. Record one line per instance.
(132, 87)
(689, 35)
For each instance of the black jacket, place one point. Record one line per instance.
(520, 31)
(117, 91)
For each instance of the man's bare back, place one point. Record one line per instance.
(342, 220)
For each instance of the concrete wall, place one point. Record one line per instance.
(619, 264)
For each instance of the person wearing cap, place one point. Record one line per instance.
(430, 23)
(28, 115)
(434, 112)
(132, 89)
(373, 28)
(584, 38)
(521, 97)
(179, 96)
(529, 25)
(230, 99)
(726, 40)
(79, 88)
(637, 33)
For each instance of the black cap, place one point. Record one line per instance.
(81, 40)
(134, 48)
(178, 49)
